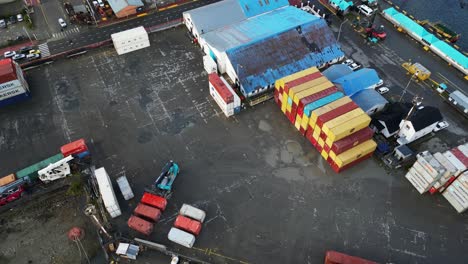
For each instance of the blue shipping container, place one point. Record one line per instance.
(321, 102)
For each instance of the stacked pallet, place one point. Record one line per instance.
(332, 122)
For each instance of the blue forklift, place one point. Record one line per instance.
(163, 184)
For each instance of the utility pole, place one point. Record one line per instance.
(339, 32)
(407, 85)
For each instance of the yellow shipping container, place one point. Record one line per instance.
(341, 119)
(280, 83)
(297, 123)
(347, 128)
(284, 102)
(321, 142)
(312, 90)
(324, 154)
(327, 108)
(301, 87)
(316, 133)
(305, 122)
(355, 153)
(288, 107)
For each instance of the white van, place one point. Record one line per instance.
(367, 11)
(192, 212)
(125, 188)
(181, 237)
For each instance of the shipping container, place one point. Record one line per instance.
(181, 237)
(327, 108)
(455, 161)
(147, 212)
(355, 153)
(340, 119)
(338, 169)
(430, 164)
(7, 179)
(451, 170)
(125, 188)
(339, 111)
(321, 102)
(304, 102)
(107, 192)
(296, 91)
(140, 225)
(130, 40)
(192, 212)
(457, 193)
(289, 85)
(333, 257)
(424, 174)
(419, 180)
(347, 128)
(218, 85)
(300, 98)
(209, 64)
(74, 147)
(13, 86)
(460, 156)
(31, 172)
(281, 82)
(350, 141)
(187, 224)
(154, 200)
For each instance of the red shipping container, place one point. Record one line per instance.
(7, 71)
(188, 224)
(333, 257)
(314, 97)
(148, 212)
(350, 141)
(309, 134)
(154, 200)
(275, 96)
(221, 88)
(336, 169)
(335, 113)
(318, 147)
(140, 225)
(74, 147)
(301, 80)
(460, 156)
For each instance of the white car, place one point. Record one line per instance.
(101, 3)
(441, 125)
(33, 56)
(383, 90)
(380, 83)
(19, 17)
(367, 11)
(62, 23)
(351, 64)
(9, 54)
(19, 57)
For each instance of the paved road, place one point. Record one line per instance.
(101, 34)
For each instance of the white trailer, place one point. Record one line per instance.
(107, 192)
(130, 40)
(181, 237)
(125, 188)
(192, 212)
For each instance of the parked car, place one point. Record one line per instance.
(62, 23)
(11, 195)
(441, 125)
(34, 51)
(378, 32)
(365, 10)
(3, 23)
(383, 90)
(9, 54)
(351, 64)
(380, 83)
(101, 3)
(19, 17)
(19, 57)
(33, 56)
(25, 50)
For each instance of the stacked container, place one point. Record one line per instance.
(457, 193)
(187, 225)
(425, 172)
(13, 86)
(224, 95)
(147, 213)
(334, 124)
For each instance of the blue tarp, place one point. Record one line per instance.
(336, 71)
(369, 99)
(359, 80)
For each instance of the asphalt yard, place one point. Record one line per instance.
(269, 196)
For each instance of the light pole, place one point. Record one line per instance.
(237, 72)
(339, 31)
(407, 85)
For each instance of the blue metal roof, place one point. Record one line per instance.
(336, 71)
(118, 5)
(452, 53)
(256, 7)
(342, 4)
(257, 27)
(216, 15)
(429, 38)
(269, 59)
(368, 99)
(357, 81)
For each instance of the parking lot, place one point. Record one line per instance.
(269, 196)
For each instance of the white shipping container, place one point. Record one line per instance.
(412, 179)
(130, 40)
(450, 170)
(192, 212)
(228, 109)
(10, 84)
(125, 188)
(432, 166)
(209, 64)
(464, 149)
(11, 92)
(459, 192)
(181, 237)
(237, 101)
(425, 186)
(107, 192)
(424, 173)
(453, 200)
(455, 161)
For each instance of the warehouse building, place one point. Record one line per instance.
(337, 71)
(370, 101)
(357, 81)
(258, 42)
